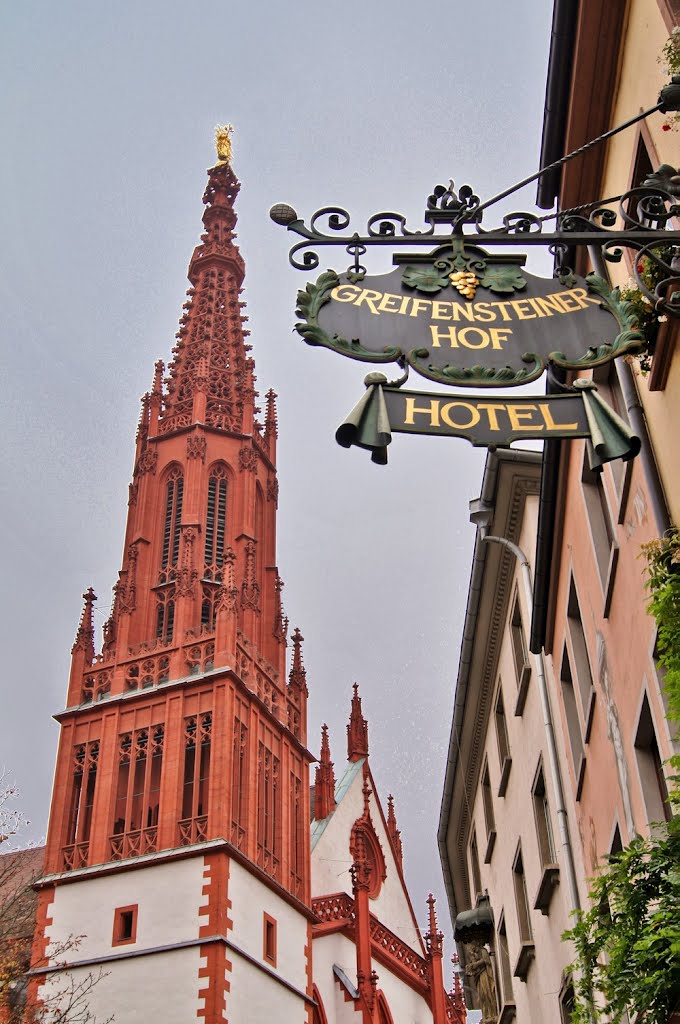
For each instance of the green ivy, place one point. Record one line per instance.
(628, 944)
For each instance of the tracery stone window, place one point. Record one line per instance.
(268, 810)
(135, 821)
(193, 825)
(215, 523)
(83, 782)
(239, 777)
(172, 520)
(296, 833)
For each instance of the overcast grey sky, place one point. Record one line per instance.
(107, 114)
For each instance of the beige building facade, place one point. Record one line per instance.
(560, 742)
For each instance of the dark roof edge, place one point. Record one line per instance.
(560, 63)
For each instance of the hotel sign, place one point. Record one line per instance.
(486, 420)
(468, 319)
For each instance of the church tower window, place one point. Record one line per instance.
(140, 760)
(215, 523)
(268, 811)
(239, 778)
(85, 757)
(194, 822)
(173, 518)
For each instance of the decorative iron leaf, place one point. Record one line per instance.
(502, 279)
(424, 279)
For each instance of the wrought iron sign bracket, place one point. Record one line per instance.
(641, 222)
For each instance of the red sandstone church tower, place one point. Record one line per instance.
(179, 836)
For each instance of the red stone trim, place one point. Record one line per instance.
(39, 956)
(213, 993)
(117, 938)
(337, 913)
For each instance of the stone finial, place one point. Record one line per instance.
(324, 780)
(84, 640)
(357, 730)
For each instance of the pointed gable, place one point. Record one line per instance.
(358, 812)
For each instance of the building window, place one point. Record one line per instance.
(173, 518)
(297, 840)
(489, 819)
(124, 925)
(269, 940)
(523, 917)
(140, 760)
(544, 831)
(503, 743)
(197, 737)
(601, 529)
(79, 822)
(504, 970)
(573, 724)
(520, 655)
(579, 660)
(268, 811)
(215, 523)
(650, 768)
(546, 844)
(521, 898)
(567, 1003)
(474, 866)
(165, 613)
(239, 779)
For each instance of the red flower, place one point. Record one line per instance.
(665, 127)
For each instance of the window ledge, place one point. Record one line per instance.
(505, 775)
(526, 955)
(507, 1014)
(546, 888)
(490, 843)
(522, 688)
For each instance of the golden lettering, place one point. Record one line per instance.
(446, 333)
(549, 304)
(535, 306)
(467, 311)
(482, 312)
(412, 410)
(404, 304)
(582, 297)
(370, 298)
(418, 305)
(464, 333)
(387, 298)
(446, 416)
(567, 298)
(549, 421)
(517, 413)
(491, 408)
(519, 307)
(345, 288)
(498, 338)
(439, 310)
(502, 306)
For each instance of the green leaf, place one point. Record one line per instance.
(424, 279)
(501, 278)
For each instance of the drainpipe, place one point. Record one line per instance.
(560, 809)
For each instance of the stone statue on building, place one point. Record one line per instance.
(479, 968)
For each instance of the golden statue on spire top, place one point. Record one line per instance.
(223, 134)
